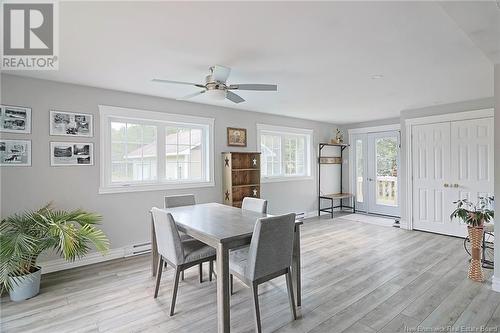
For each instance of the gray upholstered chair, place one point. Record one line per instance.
(254, 204)
(179, 254)
(268, 256)
(172, 201)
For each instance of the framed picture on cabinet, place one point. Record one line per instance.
(236, 137)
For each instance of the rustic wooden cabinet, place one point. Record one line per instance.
(240, 177)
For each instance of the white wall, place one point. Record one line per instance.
(126, 215)
(496, 274)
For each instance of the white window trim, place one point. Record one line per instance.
(280, 130)
(107, 113)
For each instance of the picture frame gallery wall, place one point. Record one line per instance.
(17, 152)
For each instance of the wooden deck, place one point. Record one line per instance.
(357, 277)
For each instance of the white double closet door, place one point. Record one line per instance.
(450, 161)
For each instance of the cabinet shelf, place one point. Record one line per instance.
(240, 177)
(247, 185)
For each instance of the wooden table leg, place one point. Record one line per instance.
(154, 248)
(296, 280)
(223, 318)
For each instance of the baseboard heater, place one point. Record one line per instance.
(138, 249)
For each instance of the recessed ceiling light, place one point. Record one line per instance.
(376, 76)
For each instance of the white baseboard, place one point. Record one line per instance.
(495, 284)
(94, 258)
(311, 214)
(403, 224)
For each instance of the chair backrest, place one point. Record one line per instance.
(254, 204)
(179, 200)
(167, 236)
(271, 246)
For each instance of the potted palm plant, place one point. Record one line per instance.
(23, 237)
(475, 216)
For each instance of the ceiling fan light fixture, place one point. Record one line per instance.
(218, 94)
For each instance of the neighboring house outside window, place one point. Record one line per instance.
(285, 152)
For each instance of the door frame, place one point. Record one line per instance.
(352, 132)
(407, 217)
(373, 207)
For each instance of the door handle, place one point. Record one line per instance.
(456, 185)
(446, 185)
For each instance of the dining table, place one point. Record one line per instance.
(224, 228)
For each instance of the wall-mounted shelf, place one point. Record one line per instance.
(330, 160)
(341, 145)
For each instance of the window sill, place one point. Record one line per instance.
(285, 179)
(153, 187)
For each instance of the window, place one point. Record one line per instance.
(145, 150)
(285, 153)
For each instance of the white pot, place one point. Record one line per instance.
(26, 286)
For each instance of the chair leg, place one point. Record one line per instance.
(291, 298)
(158, 276)
(255, 293)
(174, 291)
(210, 270)
(200, 272)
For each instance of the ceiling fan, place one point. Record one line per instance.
(216, 86)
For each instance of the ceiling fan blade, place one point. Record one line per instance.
(259, 87)
(233, 97)
(220, 73)
(192, 95)
(179, 82)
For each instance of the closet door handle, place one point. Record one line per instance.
(446, 185)
(456, 185)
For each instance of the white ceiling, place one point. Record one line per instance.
(322, 55)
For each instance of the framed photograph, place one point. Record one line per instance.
(71, 124)
(15, 152)
(71, 153)
(15, 119)
(236, 137)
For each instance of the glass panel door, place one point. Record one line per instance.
(383, 163)
(360, 167)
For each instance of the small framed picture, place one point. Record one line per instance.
(236, 137)
(71, 124)
(15, 119)
(15, 152)
(71, 153)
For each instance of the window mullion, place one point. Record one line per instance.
(282, 154)
(161, 148)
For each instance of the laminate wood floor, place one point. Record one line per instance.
(357, 277)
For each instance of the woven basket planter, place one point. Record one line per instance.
(476, 240)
